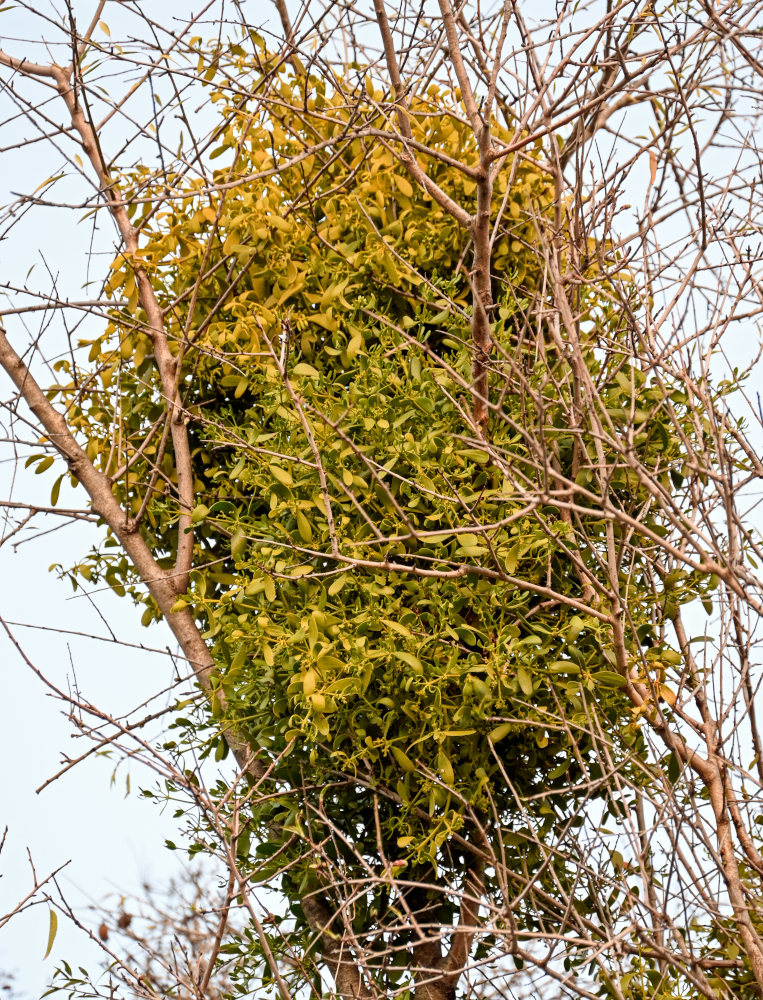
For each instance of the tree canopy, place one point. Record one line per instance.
(380, 423)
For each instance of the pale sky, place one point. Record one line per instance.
(112, 841)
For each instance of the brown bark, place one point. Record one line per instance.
(482, 296)
(333, 943)
(162, 585)
(437, 974)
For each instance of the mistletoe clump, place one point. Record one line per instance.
(411, 616)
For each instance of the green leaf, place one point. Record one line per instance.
(337, 585)
(297, 571)
(309, 682)
(305, 370)
(304, 528)
(282, 475)
(410, 659)
(497, 734)
(55, 492)
(329, 663)
(563, 667)
(560, 769)
(238, 545)
(575, 627)
(445, 768)
(355, 346)
(403, 760)
(52, 930)
(199, 513)
(223, 507)
(525, 681)
(512, 558)
(608, 679)
(397, 627)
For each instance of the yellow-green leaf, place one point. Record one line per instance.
(309, 681)
(608, 679)
(397, 627)
(304, 570)
(445, 767)
(238, 545)
(282, 475)
(355, 346)
(328, 662)
(54, 493)
(283, 224)
(525, 681)
(318, 702)
(499, 732)
(337, 585)
(403, 185)
(403, 760)
(303, 368)
(303, 527)
(52, 929)
(410, 659)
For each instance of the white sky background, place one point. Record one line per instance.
(113, 842)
